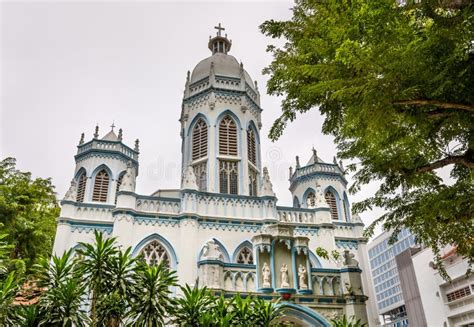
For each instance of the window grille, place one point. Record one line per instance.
(245, 256)
(200, 170)
(251, 146)
(252, 181)
(81, 187)
(199, 140)
(101, 186)
(331, 200)
(155, 253)
(228, 137)
(119, 182)
(458, 294)
(228, 177)
(311, 200)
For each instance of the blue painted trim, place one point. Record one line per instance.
(285, 290)
(310, 176)
(296, 203)
(163, 241)
(304, 201)
(325, 270)
(98, 205)
(265, 290)
(338, 201)
(222, 248)
(356, 270)
(305, 291)
(210, 262)
(245, 243)
(116, 154)
(313, 258)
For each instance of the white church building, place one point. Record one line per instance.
(223, 225)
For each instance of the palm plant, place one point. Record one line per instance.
(112, 306)
(95, 267)
(151, 302)
(62, 305)
(30, 315)
(51, 273)
(8, 291)
(344, 322)
(193, 303)
(242, 309)
(266, 313)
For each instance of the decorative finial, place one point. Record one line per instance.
(137, 145)
(315, 155)
(188, 77)
(334, 160)
(291, 171)
(81, 141)
(96, 133)
(112, 126)
(120, 135)
(341, 166)
(297, 162)
(219, 29)
(256, 85)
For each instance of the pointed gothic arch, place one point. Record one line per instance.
(81, 182)
(347, 207)
(296, 202)
(155, 244)
(118, 183)
(309, 198)
(222, 248)
(101, 183)
(243, 254)
(333, 200)
(314, 260)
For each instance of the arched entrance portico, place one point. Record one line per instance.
(302, 316)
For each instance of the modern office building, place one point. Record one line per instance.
(386, 282)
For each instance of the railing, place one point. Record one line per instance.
(93, 211)
(297, 215)
(240, 279)
(161, 205)
(108, 146)
(317, 168)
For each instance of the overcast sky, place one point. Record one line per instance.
(66, 66)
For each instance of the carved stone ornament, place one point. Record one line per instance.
(302, 277)
(349, 260)
(266, 275)
(212, 251)
(71, 193)
(285, 280)
(189, 179)
(320, 198)
(267, 187)
(128, 180)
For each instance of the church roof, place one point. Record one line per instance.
(224, 65)
(110, 136)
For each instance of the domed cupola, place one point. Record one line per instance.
(220, 120)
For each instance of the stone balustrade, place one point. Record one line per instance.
(316, 168)
(297, 215)
(240, 279)
(108, 146)
(158, 205)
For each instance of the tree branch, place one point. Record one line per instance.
(463, 160)
(436, 103)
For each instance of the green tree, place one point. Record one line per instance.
(394, 85)
(94, 266)
(193, 303)
(151, 303)
(344, 322)
(28, 212)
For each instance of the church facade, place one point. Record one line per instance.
(223, 225)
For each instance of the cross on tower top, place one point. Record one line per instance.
(219, 29)
(112, 126)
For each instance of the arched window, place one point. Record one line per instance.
(199, 139)
(154, 253)
(200, 171)
(228, 177)
(245, 256)
(101, 186)
(119, 182)
(311, 200)
(228, 137)
(81, 187)
(331, 200)
(251, 146)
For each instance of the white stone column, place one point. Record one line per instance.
(187, 251)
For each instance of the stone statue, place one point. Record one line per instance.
(302, 277)
(189, 179)
(71, 193)
(267, 187)
(349, 260)
(266, 275)
(212, 251)
(285, 281)
(128, 180)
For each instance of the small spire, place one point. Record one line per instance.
(219, 43)
(81, 141)
(334, 160)
(137, 145)
(120, 135)
(188, 77)
(291, 171)
(315, 154)
(341, 166)
(96, 133)
(256, 85)
(297, 162)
